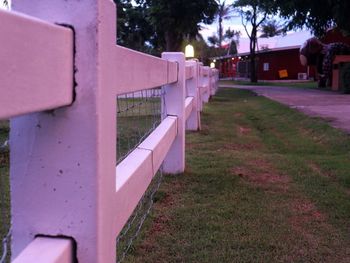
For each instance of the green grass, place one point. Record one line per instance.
(304, 85)
(4, 131)
(135, 107)
(4, 185)
(263, 183)
(136, 119)
(132, 130)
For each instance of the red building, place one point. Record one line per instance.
(270, 64)
(276, 55)
(277, 58)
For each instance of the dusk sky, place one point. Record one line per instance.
(234, 23)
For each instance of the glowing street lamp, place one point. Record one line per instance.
(212, 65)
(189, 51)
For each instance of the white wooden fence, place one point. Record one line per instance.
(60, 73)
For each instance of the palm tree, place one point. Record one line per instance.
(223, 13)
(271, 28)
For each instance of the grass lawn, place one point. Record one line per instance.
(4, 131)
(304, 85)
(136, 119)
(263, 183)
(4, 186)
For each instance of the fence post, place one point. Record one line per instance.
(200, 85)
(63, 161)
(216, 80)
(207, 84)
(174, 103)
(212, 82)
(193, 122)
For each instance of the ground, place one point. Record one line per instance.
(263, 183)
(331, 106)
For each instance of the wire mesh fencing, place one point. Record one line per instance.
(138, 114)
(132, 229)
(5, 220)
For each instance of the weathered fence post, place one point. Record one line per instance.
(174, 104)
(193, 122)
(63, 161)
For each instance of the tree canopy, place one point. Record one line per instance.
(133, 29)
(317, 15)
(162, 24)
(271, 28)
(223, 13)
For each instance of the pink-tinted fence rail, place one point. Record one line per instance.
(28, 83)
(65, 186)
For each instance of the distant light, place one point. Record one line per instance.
(214, 60)
(212, 65)
(189, 51)
(239, 57)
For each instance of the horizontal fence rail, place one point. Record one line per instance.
(189, 106)
(133, 65)
(135, 172)
(43, 250)
(66, 160)
(190, 71)
(28, 84)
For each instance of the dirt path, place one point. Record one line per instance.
(332, 106)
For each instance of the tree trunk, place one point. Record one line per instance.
(253, 75)
(172, 42)
(220, 32)
(253, 40)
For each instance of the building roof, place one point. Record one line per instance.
(289, 41)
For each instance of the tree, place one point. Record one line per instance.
(133, 30)
(271, 28)
(214, 41)
(254, 13)
(203, 51)
(232, 38)
(173, 20)
(230, 35)
(223, 13)
(317, 15)
(232, 50)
